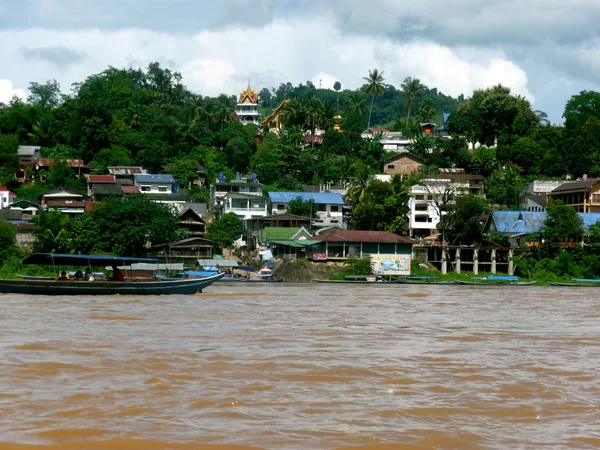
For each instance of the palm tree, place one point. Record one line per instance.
(356, 103)
(411, 87)
(374, 86)
(426, 112)
(223, 110)
(361, 178)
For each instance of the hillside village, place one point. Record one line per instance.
(305, 178)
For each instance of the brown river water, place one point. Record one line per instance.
(291, 366)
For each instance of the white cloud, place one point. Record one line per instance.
(7, 91)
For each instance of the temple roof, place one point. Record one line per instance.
(248, 96)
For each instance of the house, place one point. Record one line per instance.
(64, 199)
(582, 195)
(329, 206)
(403, 164)
(6, 197)
(533, 197)
(343, 244)
(328, 186)
(185, 250)
(220, 188)
(29, 153)
(517, 225)
(425, 198)
(284, 220)
(76, 165)
(26, 209)
(392, 141)
(191, 220)
(126, 171)
(155, 184)
(103, 186)
(427, 128)
(246, 206)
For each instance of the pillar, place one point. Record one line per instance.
(493, 270)
(475, 261)
(444, 262)
(458, 260)
(511, 267)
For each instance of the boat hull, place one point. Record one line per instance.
(53, 287)
(385, 283)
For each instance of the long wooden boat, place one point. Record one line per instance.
(70, 287)
(497, 283)
(385, 283)
(579, 282)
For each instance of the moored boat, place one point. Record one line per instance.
(158, 286)
(579, 282)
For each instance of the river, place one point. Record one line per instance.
(297, 366)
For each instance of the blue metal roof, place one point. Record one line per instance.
(504, 220)
(320, 198)
(167, 178)
(528, 222)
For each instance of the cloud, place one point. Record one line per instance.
(59, 55)
(7, 91)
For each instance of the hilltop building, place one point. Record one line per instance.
(246, 110)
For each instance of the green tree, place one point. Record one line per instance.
(108, 157)
(185, 170)
(374, 86)
(125, 226)
(464, 224)
(267, 162)
(61, 174)
(412, 88)
(580, 108)
(562, 224)
(337, 87)
(302, 208)
(239, 154)
(225, 231)
(52, 232)
(8, 241)
(426, 111)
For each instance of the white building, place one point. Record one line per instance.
(246, 110)
(156, 184)
(221, 188)
(533, 197)
(435, 190)
(6, 197)
(246, 206)
(392, 141)
(329, 206)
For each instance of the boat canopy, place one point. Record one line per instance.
(84, 260)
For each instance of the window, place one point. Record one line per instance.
(334, 208)
(322, 207)
(145, 188)
(162, 189)
(253, 189)
(421, 207)
(390, 166)
(419, 197)
(421, 219)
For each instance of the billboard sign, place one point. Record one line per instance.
(390, 264)
(319, 257)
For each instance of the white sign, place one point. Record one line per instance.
(390, 264)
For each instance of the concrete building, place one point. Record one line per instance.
(329, 206)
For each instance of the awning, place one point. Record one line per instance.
(84, 260)
(217, 262)
(245, 268)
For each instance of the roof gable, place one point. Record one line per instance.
(405, 155)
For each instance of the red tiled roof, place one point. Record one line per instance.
(102, 179)
(130, 189)
(313, 138)
(374, 237)
(10, 193)
(379, 130)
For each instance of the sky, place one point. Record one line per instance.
(545, 50)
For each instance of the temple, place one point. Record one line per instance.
(246, 110)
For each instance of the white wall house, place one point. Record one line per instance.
(424, 213)
(329, 206)
(221, 188)
(6, 197)
(156, 184)
(246, 206)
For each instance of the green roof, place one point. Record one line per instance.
(278, 233)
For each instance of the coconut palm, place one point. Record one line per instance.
(374, 87)
(426, 112)
(356, 102)
(222, 111)
(412, 87)
(337, 86)
(361, 178)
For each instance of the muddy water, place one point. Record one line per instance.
(303, 367)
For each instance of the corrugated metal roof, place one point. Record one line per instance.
(167, 178)
(101, 179)
(504, 220)
(375, 237)
(294, 244)
(27, 150)
(527, 222)
(575, 186)
(589, 219)
(319, 198)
